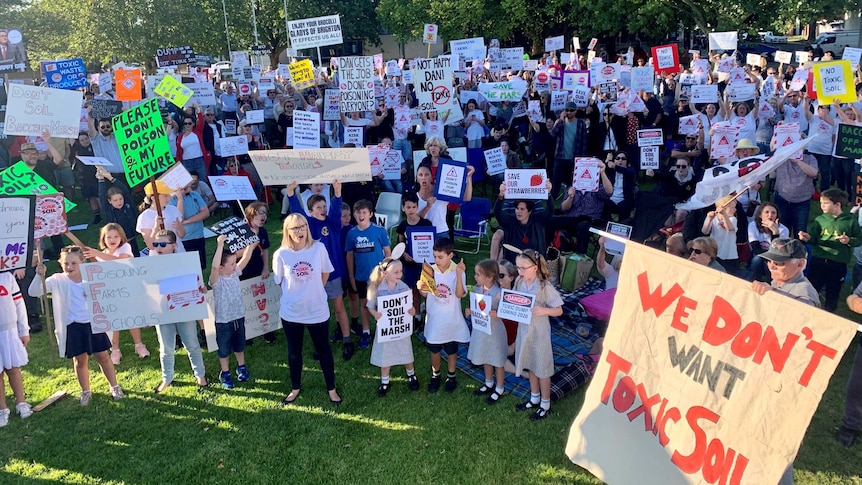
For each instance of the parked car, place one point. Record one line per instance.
(771, 38)
(836, 41)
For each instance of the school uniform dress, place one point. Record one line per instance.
(489, 349)
(395, 352)
(533, 350)
(444, 322)
(13, 324)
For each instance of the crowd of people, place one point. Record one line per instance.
(329, 229)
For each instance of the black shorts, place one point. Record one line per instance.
(362, 289)
(451, 348)
(80, 339)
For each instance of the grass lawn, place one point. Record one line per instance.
(245, 436)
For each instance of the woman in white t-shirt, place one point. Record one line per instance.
(172, 216)
(301, 267)
(822, 124)
(474, 125)
(433, 125)
(744, 118)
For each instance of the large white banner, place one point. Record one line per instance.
(321, 166)
(140, 292)
(261, 300)
(315, 32)
(356, 83)
(701, 380)
(30, 110)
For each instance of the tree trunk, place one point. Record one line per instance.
(812, 31)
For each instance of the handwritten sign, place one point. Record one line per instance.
(396, 323)
(769, 360)
(495, 161)
(480, 312)
(421, 243)
(665, 59)
(516, 306)
(468, 49)
(433, 82)
(232, 146)
(232, 187)
(238, 232)
(301, 74)
(202, 93)
(19, 179)
(105, 109)
(254, 117)
(354, 135)
(512, 90)
(177, 177)
(174, 91)
(31, 110)
(585, 177)
(324, 166)
(315, 32)
(261, 299)
(16, 238)
(332, 105)
(526, 184)
(723, 40)
(68, 74)
(356, 83)
(649, 157)
(624, 231)
(642, 78)
(451, 181)
(848, 141)
(94, 161)
(143, 142)
(306, 130)
(834, 80)
(124, 293)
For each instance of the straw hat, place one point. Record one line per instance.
(746, 143)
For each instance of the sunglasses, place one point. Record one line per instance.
(691, 138)
(161, 244)
(696, 251)
(620, 158)
(570, 111)
(681, 166)
(189, 124)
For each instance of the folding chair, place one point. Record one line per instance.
(389, 205)
(472, 222)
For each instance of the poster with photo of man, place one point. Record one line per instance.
(13, 53)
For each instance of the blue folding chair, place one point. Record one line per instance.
(472, 222)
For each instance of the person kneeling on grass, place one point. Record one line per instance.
(229, 310)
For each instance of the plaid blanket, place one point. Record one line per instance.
(571, 363)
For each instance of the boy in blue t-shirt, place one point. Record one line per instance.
(367, 245)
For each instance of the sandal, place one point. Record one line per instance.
(485, 389)
(493, 398)
(162, 387)
(540, 414)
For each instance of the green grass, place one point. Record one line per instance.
(244, 436)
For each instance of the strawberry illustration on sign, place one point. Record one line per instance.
(536, 180)
(482, 305)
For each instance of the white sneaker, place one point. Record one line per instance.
(4, 417)
(85, 397)
(117, 392)
(116, 355)
(24, 410)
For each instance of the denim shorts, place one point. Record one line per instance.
(230, 337)
(333, 289)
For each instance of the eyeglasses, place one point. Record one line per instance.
(72, 249)
(696, 251)
(681, 166)
(297, 228)
(525, 268)
(161, 244)
(261, 212)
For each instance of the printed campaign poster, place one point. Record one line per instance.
(232, 187)
(480, 312)
(13, 51)
(451, 181)
(50, 218)
(315, 32)
(516, 306)
(586, 176)
(420, 241)
(68, 74)
(701, 380)
(396, 323)
(177, 177)
(526, 184)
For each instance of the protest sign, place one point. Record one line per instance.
(238, 232)
(737, 76)
(429, 35)
(649, 157)
(555, 43)
(232, 187)
(232, 146)
(603, 73)
(570, 79)
(254, 116)
(526, 184)
(68, 74)
(512, 90)
(127, 84)
(624, 231)
(786, 134)
(420, 240)
(19, 179)
(534, 111)
(239, 59)
(741, 92)
(642, 78)
(143, 142)
(356, 83)
(559, 99)
(106, 82)
(230, 127)
(354, 135)
(723, 41)
(332, 105)
(495, 161)
(783, 57)
(580, 96)
(512, 58)
(140, 292)
(376, 155)
(480, 312)
(174, 91)
(530, 65)
(323, 166)
(31, 110)
(516, 306)
(852, 54)
(50, 218)
(704, 93)
(391, 165)
(396, 323)
(752, 59)
(693, 409)
(586, 176)
(610, 91)
(468, 49)
(261, 301)
(653, 136)
(688, 125)
(665, 59)
(94, 161)
(16, 241)
(433, 82)
(451, 181)
(723, 140)
(175, 56)
(800, 78)
(848, 141)
(105, 109)
(301, 74)
(306, 129)
(801, 57)
(834, 80)
(202, 93)
(177, 177)
(315, 32)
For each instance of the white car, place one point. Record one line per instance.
(771, 38)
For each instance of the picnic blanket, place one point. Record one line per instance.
(572, 336)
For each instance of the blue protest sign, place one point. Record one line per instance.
(68, 74)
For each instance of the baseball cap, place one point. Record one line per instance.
(27, 146)
(160, 186)
(571, 105)
(785, 248)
